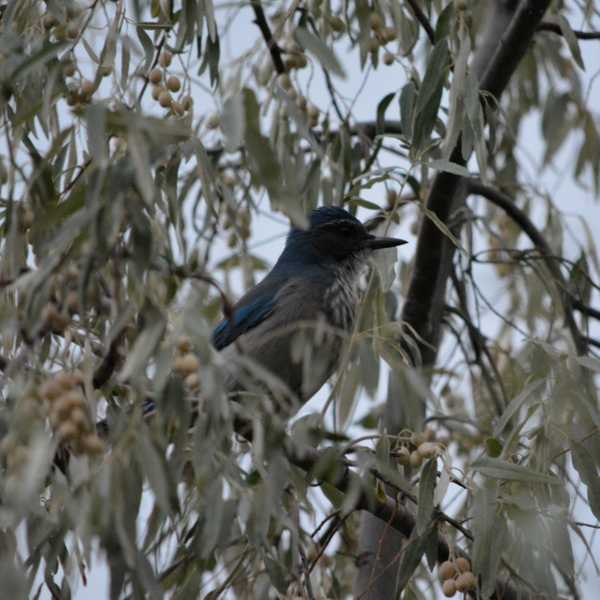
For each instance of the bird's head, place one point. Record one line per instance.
(333, 235)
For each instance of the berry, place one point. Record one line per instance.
(415, 459)
(466, 581)
(157, 90)
(376, 21)
(155, 76)
(388, 59)
(463, 565)
(428, 449)
(449, 588)
(165, 99)
(187, 102)
(173, 83)
(186, 364)
(446, 570)
(165, 58)
(285, 82)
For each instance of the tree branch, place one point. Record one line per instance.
(424, 304)
(581, 35)
(272, 45)
(423, 20)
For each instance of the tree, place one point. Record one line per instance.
(129, 217)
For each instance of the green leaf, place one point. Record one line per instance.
(490, 534)
(232, 122)
(502, 469)
(570, 38)
(413, 553)
(443, 26)
(321, 51)
(449, 167)
(587, 467)
(516, 403)
(426, 489)
(408, 100)
(145, 344)
(589, 362)
(430, 93)
(381, 108)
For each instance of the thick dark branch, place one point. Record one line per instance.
(585, 309)
(524, 222)
(263, 25)
(423, 20)
(425, 298)
(580, 35)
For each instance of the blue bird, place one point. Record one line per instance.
(286, 333)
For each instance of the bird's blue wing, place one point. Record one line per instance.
(248, 313)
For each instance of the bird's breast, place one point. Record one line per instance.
(341, 299)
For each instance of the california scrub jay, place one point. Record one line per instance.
(286, 333)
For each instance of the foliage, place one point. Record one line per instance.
(129, 215)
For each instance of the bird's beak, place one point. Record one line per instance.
(375, 243)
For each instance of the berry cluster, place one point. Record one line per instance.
(163, 85)
(69, 413)
(309, 109)
(382, 35)
(456, 576)
(417, 447)
(64, 301)
(187, 364)
(63, 25)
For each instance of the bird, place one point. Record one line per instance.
(285, 335)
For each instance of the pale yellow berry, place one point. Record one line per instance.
(157, 90)
(376, 21)
(449, 588)
(428, 449)
(186, 364)
(466, 582)
(67, 432)
(173, 83)
(155, 76)
(463, 564)
(285, 82)
(184, 344)
(87, 88)
(415, 459)
(165, 58)
(389, 34)
(72, 31)
(192, 381)
(79, 418)
(446, 570)
(164, 99)
(92, 444)
(177, 108)
(69, 68)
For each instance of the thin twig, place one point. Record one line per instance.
(423, 20)
(580, 35)
(272, 45)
